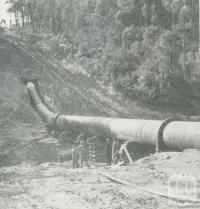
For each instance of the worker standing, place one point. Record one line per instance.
(84, 153)
(108, 151)
(75, 156)
(3, 25)
(115, 151)
(79, 138)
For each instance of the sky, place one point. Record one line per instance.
(3, 11)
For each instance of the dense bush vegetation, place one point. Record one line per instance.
(147, 49)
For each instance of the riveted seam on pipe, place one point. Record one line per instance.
(160, 140)
(55, 121)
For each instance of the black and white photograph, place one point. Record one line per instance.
(99, 104)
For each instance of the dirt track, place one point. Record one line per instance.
(53, 186)
(56, 186)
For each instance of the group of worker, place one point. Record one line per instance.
(80, 152)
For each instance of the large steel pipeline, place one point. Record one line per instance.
(176, 135)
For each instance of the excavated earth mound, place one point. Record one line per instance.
(146, 184)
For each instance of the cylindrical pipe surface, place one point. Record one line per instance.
(176, 135)
(46, 115)
(139, 131)
(180, 135)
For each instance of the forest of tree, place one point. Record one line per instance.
(146, 49)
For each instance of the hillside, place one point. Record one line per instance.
(71, 93)
(48, 48)
(146, 51)
(69, 87)
(35, 184)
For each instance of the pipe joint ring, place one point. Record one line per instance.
(160, 142)
(55, 121)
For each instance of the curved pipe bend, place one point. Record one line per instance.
(176, 135)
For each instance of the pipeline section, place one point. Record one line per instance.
(176, 135)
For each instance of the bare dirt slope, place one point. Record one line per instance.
(18, 121)
(55, 186)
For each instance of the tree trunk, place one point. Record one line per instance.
(53, 25)
(32, 20)
(22, 14)
(16, 23)
(199, 25)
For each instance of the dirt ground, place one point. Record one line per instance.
(56, 186)
(53, 186)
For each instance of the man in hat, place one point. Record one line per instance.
(84, 153)
(79, 138)
(3, 25)
(115, 151)
(75, 156)
(108, 151)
